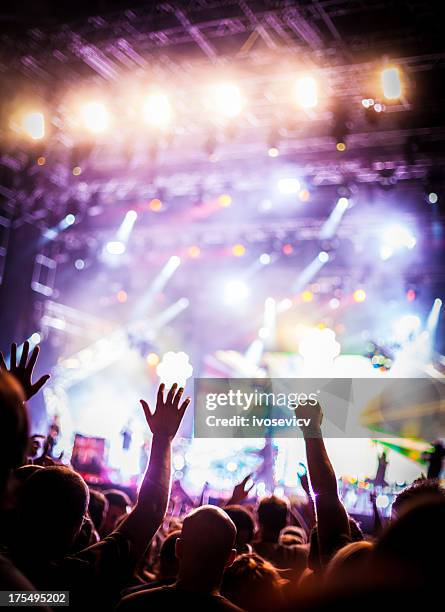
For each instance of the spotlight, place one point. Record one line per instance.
(157, 110)
(174, 368)
(115, 247)
(306, 92)
(95, 117)
(323, 257)
(359, 295)
(392, 87)
(307, 296)
(193, 251)
(225, 200)
(334, 303)
(288, 249)
(155, 205)
(77, 171)
(227, 99)
(35, 338)
(288, 186)
(433, 198)
(69, 220)
(238, 250)
(79, 264)
(33, 124)
(273, 152)
(265, 259)
(122, 296)
(235, 291)
(152, 359)
(395, 238)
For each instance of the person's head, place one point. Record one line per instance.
(25, 471)
(253, 584)
(119, 504)
(51, 509)
(168, 561)
(14, 428)
(348, 562)
(244, 523)
(419, 491)
(272, 515)
(293, 535)
(206, 546)
(314, 561)
(412, 546)
(97, 507)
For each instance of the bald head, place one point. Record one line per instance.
(207, 539)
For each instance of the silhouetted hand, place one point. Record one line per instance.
(312, 413)
(304, 481)
(168, 415)
(240, 491)
(24, 369)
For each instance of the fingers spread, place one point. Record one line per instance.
(24, 357)
(171, 393)
(146, 409)
(161, 393)
(32, 360)
(178, 397)
(13, 355)
(39, 384)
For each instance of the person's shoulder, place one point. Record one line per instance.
(225, 605)
(11, 578)
(141, 599)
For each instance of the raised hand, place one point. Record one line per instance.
(314, 413)
(241, 491)
(23, 370)
(168, 415)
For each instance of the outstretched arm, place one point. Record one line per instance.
(23, 370)
(332, 519)
(146, 517)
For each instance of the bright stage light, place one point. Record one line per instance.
(69, 220)
(323, 256)
(157, 110)
(306, 92)
(288, 186)
(225, 200)
(264, 259)
(238, 250)
(152, 359)
(433, 198)
(95, 117)
(33, 124)
(392, 87)
(115, 247)
(155, 205)
(235, 291)
(395, 238)
(174, 368)
(35, 338)
(273, 152)
(334, 303)
(359, 295)
(228, 100)
(307, 296)
(193, 251)
(79, 264)
(319, 344)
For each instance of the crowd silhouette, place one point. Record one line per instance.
(108, 551)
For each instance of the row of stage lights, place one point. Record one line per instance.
(226, 99)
